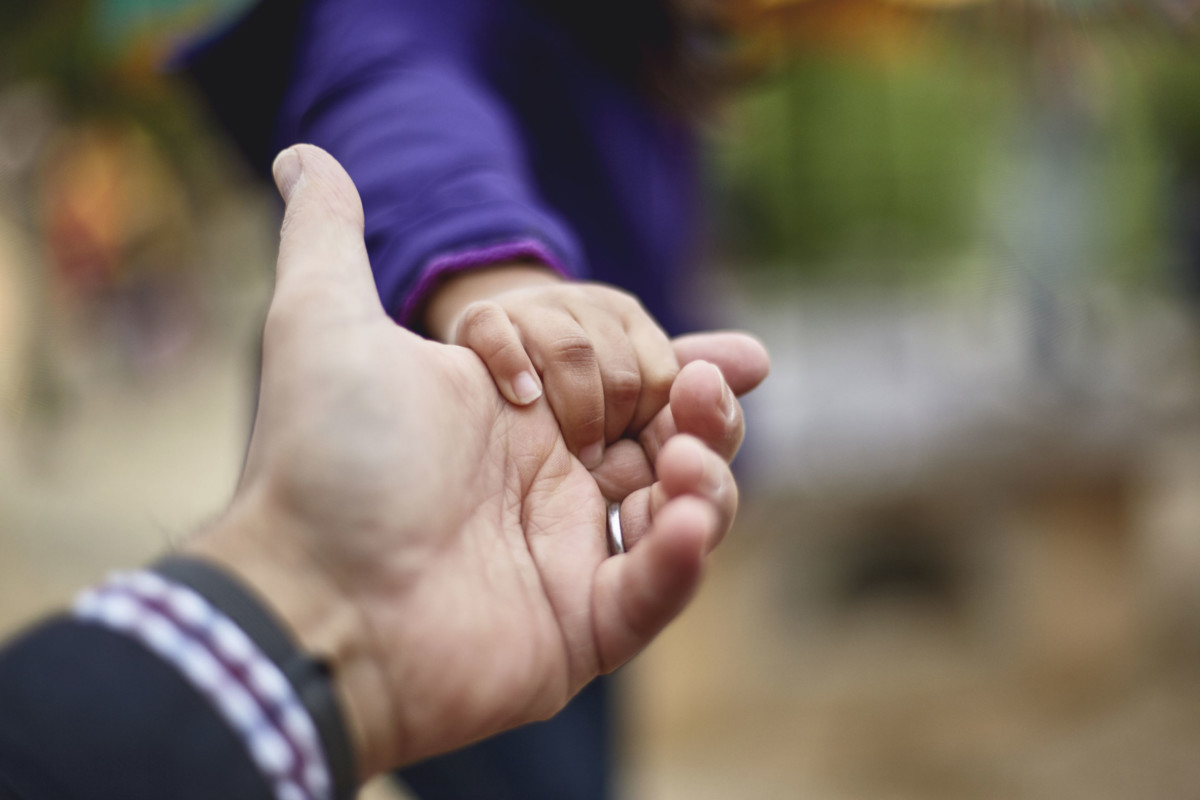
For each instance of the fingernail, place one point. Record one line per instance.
(728, 401)
(287, 170)
(592, 455)
(711, 483)
(526, 388)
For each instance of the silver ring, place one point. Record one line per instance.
(616, 539)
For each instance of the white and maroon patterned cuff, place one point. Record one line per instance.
(245, 687)
(474, 258)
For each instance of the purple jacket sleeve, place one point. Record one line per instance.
(393, 90)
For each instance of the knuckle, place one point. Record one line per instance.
(658, 379)
(628, 302)
(622, 302)
(590, 425)
(623, 387)
(478, 316)
(581, 411)
(484, 328)
(573, 350)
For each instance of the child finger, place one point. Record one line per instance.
(620, 371)
(657, 366)
(486, 328)
(564, 354)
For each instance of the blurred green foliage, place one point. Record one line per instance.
(101, 61)
(1176, 103)
(835, 160)
(53, 42)
(840, 167)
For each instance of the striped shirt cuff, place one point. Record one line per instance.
(216, 656)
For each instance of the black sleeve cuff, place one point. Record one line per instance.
(310, 677)
(89, 712)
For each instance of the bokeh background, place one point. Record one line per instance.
(968, 559)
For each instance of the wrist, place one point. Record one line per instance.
(460, 289)
(324, 621)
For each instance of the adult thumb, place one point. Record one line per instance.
(322, 259)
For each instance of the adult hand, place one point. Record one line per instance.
(440, 545)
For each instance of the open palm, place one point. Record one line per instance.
(476, 541)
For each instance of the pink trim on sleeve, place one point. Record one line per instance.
(450, 263)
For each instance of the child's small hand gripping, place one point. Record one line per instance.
(605, 364)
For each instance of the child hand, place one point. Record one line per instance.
(605, 365)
